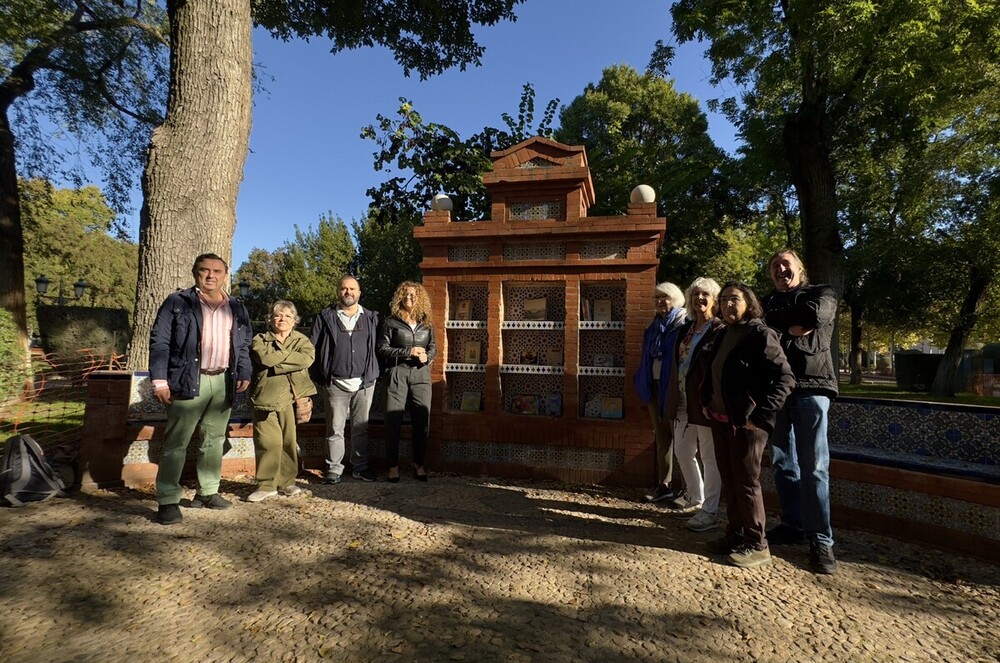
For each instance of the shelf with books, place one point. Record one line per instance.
(533, 394)
(601, 397)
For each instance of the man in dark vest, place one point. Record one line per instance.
(346, 366)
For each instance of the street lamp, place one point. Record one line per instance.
(244, 288)
(42, 288)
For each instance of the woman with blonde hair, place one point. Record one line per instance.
(281, 358)
(406, 347)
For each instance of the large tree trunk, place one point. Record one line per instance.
(857, 332)
(806, 141)
(11, 235)
(944, 380)
(196, 157)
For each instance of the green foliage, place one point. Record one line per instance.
(427, 37)
(387, 255)
(313, 264)
(96, 70)
(263, 271)
(432, 158)
(67, 236)
(14, 368)
(638, 129)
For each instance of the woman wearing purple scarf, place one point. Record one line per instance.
(656, 341)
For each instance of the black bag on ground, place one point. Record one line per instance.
(25, 475)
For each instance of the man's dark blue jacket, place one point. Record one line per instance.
(324, 335)
(175, 344)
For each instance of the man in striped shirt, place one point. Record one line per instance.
(199, 358)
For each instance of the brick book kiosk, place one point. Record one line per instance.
(539, 314)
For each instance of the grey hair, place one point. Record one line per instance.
(285, 304)
(700, 284)
(671, 292)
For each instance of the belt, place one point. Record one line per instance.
(213, 371)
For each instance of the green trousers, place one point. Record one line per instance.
(276, 447)
(209, 413)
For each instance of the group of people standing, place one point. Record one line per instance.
(723, 373)
(203, 352)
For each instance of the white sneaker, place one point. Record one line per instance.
(261, 495)
(290, 490)
(703, 521)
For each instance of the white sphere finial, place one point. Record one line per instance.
(643, 194)
(441, 203)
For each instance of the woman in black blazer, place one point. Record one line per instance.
(406, 347)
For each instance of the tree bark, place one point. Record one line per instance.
(944, 379)
(11, 238)
(806, 138)
(196, 157)
(857, 330)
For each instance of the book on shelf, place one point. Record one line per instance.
(550, 358)
(535, 309)
(604, 360)
(611, 408)
(526, 404)
(553, 404)
(472, 401)
(463, 310)
(592, 406)
(602, 310)
(586, 310)
(472, 352)
(528, 357)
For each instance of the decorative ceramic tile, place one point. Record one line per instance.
(603, 250)
(469, 253)
(535, 211)
(143, 406)
(605, 460)
(548, 251)
(936, 431)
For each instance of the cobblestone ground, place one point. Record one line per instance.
(460, 569)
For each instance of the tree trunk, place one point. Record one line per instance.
(944, 379)
(857, 329)
(806, 139)
(11, 235)
(196, 157)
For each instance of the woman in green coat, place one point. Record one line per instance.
(281, 358)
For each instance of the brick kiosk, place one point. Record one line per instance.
(539, 314)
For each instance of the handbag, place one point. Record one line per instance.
(303, 405)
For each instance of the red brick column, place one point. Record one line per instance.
(103, 448)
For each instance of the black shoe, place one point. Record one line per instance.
(332, 480)
(393, 479)
(784, 535)
(169, 514)
(662, 493)
(214, 501)
(821, 558)
(417, 475)
(366, 474)
(724, 545)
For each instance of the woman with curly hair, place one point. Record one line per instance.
(406, 347)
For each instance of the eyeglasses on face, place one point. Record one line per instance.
(732, 299)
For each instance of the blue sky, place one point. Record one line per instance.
(306, 154)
